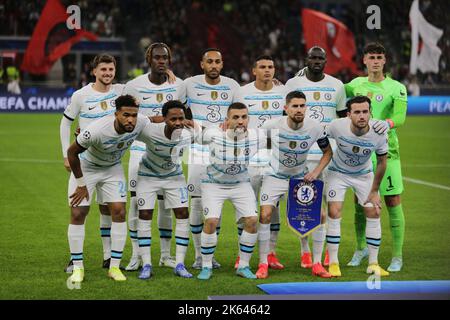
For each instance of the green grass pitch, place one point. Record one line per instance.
(34, 218)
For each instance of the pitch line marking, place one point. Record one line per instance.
(425, 183)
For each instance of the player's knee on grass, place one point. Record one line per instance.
(210, 225)
(146, 214)
(392, 201)
(104, 210)
(78, 214)
(266, 214)
(250, 224)
(323, 216)
(371, 213)
(118, 211)
(181, 213)
(334, 209)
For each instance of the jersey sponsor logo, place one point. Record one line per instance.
(92, 108)
(224, 95)
(355, 149)
(145, 98)
(169, 97)
(159, 97)
(214, 115)
(379, 97)
(200, 94)
(316, 95)
(275, 104)
(332, 193)
(265, 105)
(252, 105)
(87, 135)
(328, 96)
(214, 95)
(103, 105)
(402, 93)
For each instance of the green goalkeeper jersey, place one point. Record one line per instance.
(389, 101)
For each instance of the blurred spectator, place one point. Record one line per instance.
(413, 87)
(13, 79)
(70, 76)
(266, 27)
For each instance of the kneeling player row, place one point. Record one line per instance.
(95, 159)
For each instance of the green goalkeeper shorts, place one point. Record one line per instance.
(392, 183)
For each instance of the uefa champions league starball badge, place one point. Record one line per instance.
(304, 204)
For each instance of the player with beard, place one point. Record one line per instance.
(208, 98)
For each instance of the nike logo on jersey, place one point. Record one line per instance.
(342, 145)
(145, 98)
(251, 105)
(200, 94)
(90, 108)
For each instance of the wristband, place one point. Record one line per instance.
(81, 182)
(390, 122)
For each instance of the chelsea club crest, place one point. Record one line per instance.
(305, 193)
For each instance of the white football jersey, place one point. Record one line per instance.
(162, 158)
(151, 97)
(91, 105)
(105, 147)
(352, 155)
(323, 99)
(229, 158)
(262, 106)
(290, 147)
(209, 104)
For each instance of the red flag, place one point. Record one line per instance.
(322, 30)
(51, 39)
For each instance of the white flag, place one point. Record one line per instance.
(428, 59)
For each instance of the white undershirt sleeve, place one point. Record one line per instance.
(64, 134)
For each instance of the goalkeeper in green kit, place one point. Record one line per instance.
(389, 102)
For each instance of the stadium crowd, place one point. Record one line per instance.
(273, 27)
